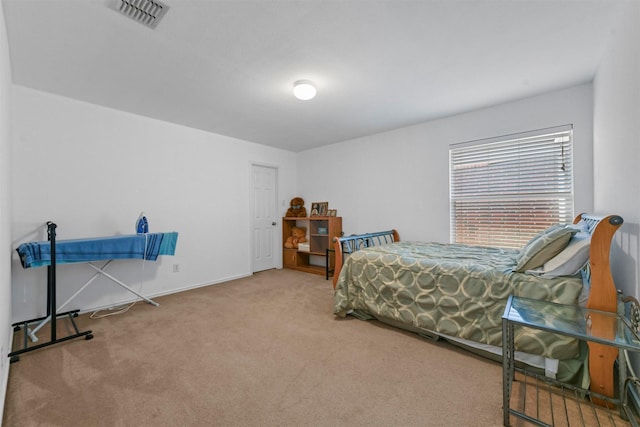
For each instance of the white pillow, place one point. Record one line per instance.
(569, 261)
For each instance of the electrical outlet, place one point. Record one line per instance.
(176, 268)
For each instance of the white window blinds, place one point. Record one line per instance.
(505, 190)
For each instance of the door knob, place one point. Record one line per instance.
(273, 223)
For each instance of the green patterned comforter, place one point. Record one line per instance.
(451, 289)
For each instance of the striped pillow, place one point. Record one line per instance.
(544, 246)
(568, 262)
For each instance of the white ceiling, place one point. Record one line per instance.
(228, 66)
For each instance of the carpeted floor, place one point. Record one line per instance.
(260, 351)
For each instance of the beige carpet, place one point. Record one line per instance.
(260, 351)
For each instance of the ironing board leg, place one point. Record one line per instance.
(101, 271)
(32, 332)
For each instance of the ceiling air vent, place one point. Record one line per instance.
(146, 12)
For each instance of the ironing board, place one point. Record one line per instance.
(144, 246)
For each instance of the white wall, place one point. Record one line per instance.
(617, 144)
(399, 179)
(92, 170)
(5, 209)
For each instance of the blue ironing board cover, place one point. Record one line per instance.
(147, 246)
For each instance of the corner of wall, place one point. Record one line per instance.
(5, 208)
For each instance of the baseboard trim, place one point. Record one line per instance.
(169, 292)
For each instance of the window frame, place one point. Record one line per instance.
(504, 190)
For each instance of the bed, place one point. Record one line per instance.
(459, 292)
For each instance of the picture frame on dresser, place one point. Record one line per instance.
(319, 209)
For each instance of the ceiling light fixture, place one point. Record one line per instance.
(304, 90)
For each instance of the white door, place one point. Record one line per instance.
(264, 223)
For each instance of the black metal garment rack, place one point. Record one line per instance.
(51, 309)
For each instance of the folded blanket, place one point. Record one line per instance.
(146, 246)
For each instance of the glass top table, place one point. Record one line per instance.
(578, 322)
(606, 328)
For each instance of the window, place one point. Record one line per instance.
(504, 190)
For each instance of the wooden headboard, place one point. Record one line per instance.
(603, 296)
